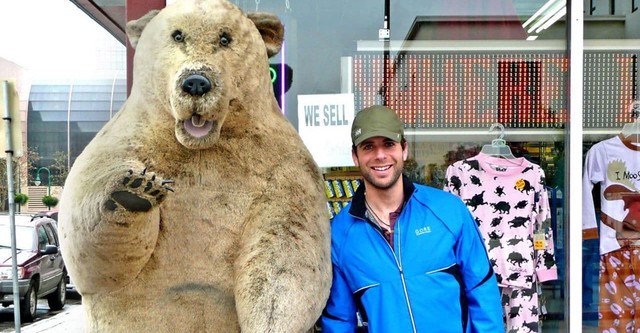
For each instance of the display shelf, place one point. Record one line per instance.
(340, 184)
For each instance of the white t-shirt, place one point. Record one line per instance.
(616, 167)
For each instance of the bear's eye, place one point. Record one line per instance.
(225, 39)
(178, 36)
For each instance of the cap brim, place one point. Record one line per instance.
(387, 134)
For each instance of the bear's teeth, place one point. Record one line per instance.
(197, 121)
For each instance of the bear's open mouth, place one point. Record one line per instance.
(198, 127)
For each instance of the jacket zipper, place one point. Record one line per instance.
(398, 264)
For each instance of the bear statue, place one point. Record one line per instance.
(198, 208)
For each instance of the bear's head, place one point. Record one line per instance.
(197, 58)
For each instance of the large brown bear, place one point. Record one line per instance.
(198, 208)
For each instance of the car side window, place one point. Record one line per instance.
(53, 239)
(43, 239)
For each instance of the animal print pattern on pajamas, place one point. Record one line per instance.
(619, 286)
(509, 203)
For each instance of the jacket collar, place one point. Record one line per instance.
(358, 207)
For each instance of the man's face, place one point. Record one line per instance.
(380, 160)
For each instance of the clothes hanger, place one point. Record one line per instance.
(633, 128)
(498, 147)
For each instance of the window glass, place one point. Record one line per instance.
(460, 74)
(611, 166)
(43, 238)
(53, 239)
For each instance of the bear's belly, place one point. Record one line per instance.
(181, 308)
(188, 280)
(196, 247)
(186, 285)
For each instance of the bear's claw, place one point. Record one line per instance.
(134, 197)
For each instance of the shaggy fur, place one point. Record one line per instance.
(195, 212)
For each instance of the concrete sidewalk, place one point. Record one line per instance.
(71, 321)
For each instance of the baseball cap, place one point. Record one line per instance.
(376, 120)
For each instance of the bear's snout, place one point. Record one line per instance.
(196, 85)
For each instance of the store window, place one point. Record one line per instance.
(611, 165)
(482, 87)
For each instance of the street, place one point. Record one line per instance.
(7, 319)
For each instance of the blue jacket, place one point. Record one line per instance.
(436, 279)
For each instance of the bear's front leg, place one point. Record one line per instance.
(114, 219)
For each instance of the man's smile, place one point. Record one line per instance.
(383, 168)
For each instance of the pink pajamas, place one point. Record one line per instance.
(521, 309)
(511, 207)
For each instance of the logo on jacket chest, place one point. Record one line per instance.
(423, 230)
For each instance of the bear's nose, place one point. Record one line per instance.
(196, 85)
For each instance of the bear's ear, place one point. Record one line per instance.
(271, 29)
(134, 28)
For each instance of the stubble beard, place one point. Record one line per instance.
(382, 184)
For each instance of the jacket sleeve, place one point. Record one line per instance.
(483, 296)
(339, 315)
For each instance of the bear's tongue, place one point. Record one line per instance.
(197, 127)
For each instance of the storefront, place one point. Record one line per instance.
(542, 80)
(540, 75)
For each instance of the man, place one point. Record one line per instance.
(406, 257)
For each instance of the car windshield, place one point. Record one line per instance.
(24, 237)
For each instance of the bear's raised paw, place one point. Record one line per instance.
(139, 192)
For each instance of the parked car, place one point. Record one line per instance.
(53, 213)
(41, 269)
(48, 213)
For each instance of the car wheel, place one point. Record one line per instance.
(58, 298)
(29, 304)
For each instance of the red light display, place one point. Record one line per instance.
(473, 90)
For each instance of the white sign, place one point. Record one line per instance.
(324, 123)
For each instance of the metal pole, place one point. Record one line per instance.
(575, 48)
(11, 197)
